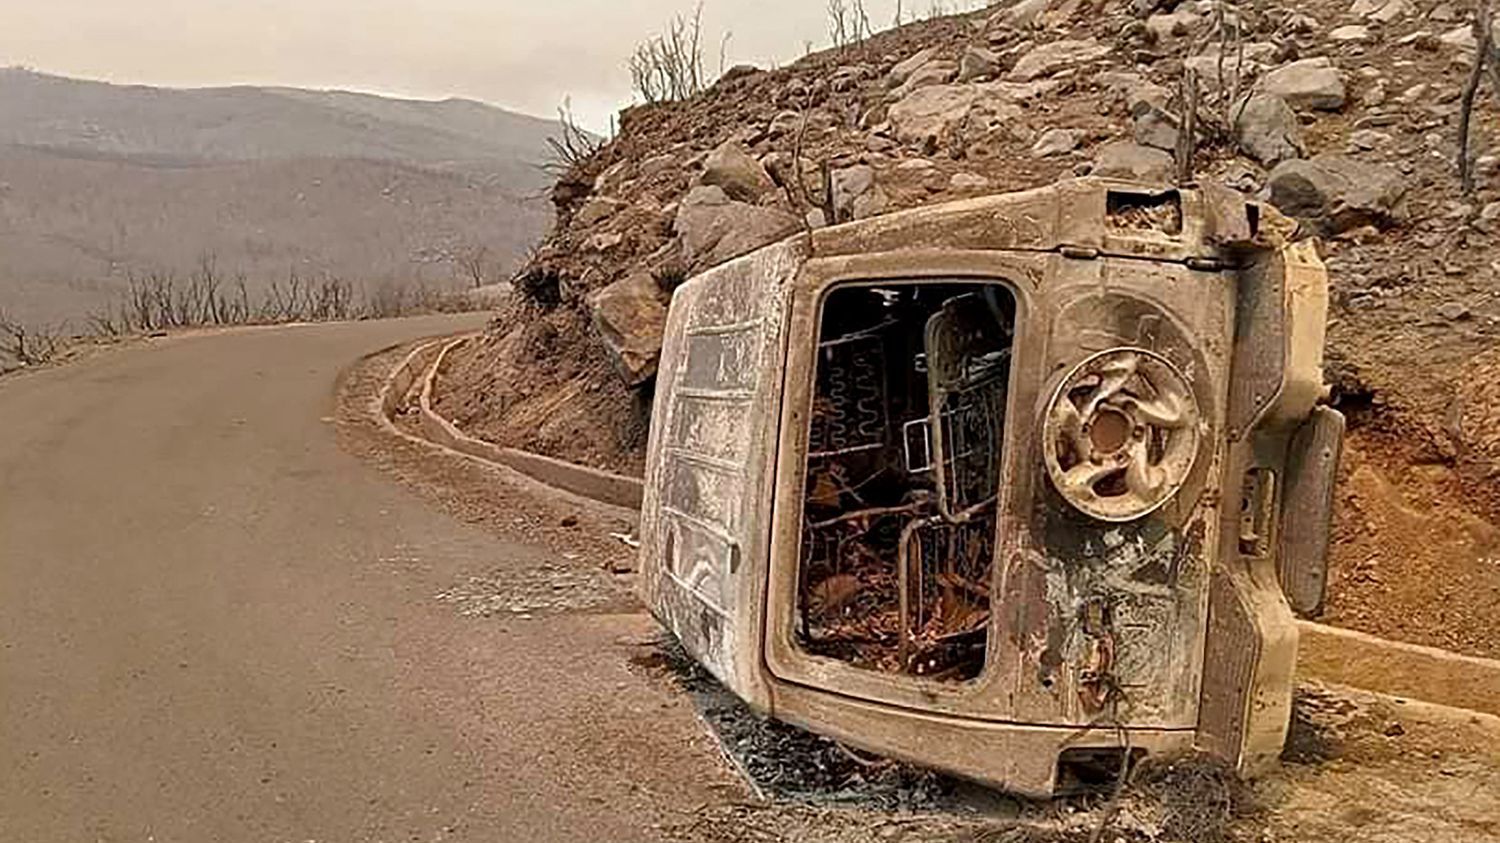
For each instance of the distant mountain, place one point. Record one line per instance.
(100, 180)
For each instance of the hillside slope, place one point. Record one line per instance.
(1353, 129)
(100, 180)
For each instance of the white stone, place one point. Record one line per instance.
(968, 181)
(1055, 142)
(1055, 57)
(1353, 32)
(1310, 83)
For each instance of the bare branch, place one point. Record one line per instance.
(1484, 52)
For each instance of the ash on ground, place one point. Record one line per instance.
(811, 788)
(547, 589)
(787, 764)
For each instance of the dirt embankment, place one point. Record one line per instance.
(1363, 101)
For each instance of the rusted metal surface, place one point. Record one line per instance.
(975, 491)
(1307, 510)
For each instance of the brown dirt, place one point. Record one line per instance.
(541, 386)
(1416, 551)
(1414, 331)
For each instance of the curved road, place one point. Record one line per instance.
(215, 625)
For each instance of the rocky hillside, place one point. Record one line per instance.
(100, 180)
(1343, 115)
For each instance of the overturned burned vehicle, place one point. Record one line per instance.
(1020, 488)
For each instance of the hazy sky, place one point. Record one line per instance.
(522, 54)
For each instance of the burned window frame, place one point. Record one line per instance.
(786, 618)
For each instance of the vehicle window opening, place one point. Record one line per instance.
(899, 512)
(1145, 211)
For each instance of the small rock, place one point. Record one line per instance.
(968, 181)
(1164, 27)
(978, 63)
(903, 70)
(1022, 15)
(605, 241)
(816, 219)
(1488, 220)
(931, 73)
(630, 317)
(1056, 142)
(1125, 160)
(732, 169)
(597, 210)
(1056, 57)
(1155, 126)
(1454, 312)
(1444, 13)
(1382, 11)
(847, 79)
(1393, 11)
(658, 164)
(1462, 37)
(1374, 96)
(1310, 83)
(1368, 139)
(785, 123)
(1352, 33)
(1365, 235)
(1267, 130)
(856, 195)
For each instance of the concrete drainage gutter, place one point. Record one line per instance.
(1359, 660)
(1328, 654)
(420, 369)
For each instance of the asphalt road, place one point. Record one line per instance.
(217, 625)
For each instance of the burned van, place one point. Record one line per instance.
(1009, 487)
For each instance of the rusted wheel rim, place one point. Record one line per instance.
(1121, 434)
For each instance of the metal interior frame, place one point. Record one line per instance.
(948, 539)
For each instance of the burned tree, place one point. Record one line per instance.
(1485, 55)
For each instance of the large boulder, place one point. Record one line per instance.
(1337, 193)
(734, 170)
(1463, 38)
(1054, 142)
(1056, 57)
(1125, 160)
(715, 228)
(905, 68)
(1309, 83)
(931, 73)
(1025, 14)
(630, 317)
(1152, 123)
(1267, 130)
(978, 63)
(856, 194)
(935, 116)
